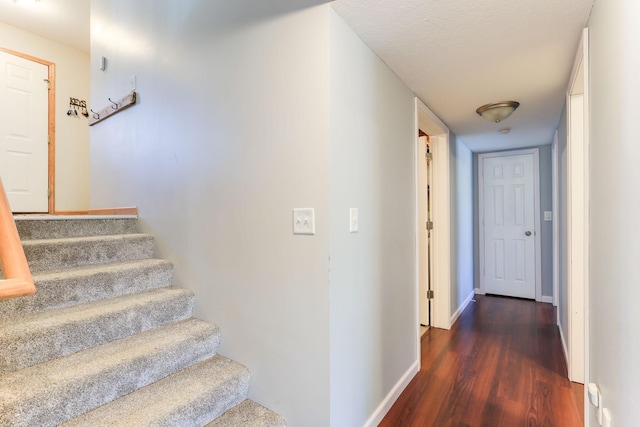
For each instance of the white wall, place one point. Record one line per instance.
(72, 133)
(462, 230)
(373, 283)
(615, 207)
(230, 134)
(245, 112)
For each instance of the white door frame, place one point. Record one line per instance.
(536, 215)
(441, 271)
(555, 206)
(577, 104)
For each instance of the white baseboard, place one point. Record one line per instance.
(564, 346)
(546, 299)
(462, 307)
(393, 395)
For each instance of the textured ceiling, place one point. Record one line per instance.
(457, 55)
(65, 21)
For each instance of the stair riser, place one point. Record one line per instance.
(43, 340)
(30, 229)
(58, 291)
(61, 254)
(96, 387)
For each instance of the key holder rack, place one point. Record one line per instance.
(114, 107)
(76, 104)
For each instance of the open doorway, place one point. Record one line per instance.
(425, 216)
(67, 139)
(433, 275)
(573, 304)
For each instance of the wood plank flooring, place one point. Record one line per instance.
(500, 365)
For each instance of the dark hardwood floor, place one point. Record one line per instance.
(500, 365)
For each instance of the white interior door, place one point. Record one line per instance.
(509, 225)
(24, 152)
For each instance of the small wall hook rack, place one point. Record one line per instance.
(116, 106)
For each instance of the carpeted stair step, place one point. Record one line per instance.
(54, 227)
(192, 397)
(248, 414)
(69, 287)
(58, 254)
(50, 393)
(39, 337)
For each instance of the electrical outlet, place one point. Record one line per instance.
(353, 220)
(600, 407)
(304, 221)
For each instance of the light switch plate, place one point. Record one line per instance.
(353, 220)
(304, 221)
(548, 216)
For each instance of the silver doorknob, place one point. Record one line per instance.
(527, 233)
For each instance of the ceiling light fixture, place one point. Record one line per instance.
(497, 111)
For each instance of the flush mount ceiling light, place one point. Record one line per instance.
(498, 111)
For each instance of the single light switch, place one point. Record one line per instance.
(304, 221)
(548, 216)
(353, 220)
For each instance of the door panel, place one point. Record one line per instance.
(424, 215)
(24, 147)
(508, 216)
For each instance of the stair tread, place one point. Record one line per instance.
(40, 336)
(192, 397)
(248, 414)
(35, 227)
(95, 376)
(96, 268)
(62, 288)
(71, 252)
(85, 238)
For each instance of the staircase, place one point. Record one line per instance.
(108, 341)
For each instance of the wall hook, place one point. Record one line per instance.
(115, 104)
(95, 115)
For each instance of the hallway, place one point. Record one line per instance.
(500, 365)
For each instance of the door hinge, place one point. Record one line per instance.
(49, 193)
(430, 294)
(48, 82)
(429, 225)
(428, 156)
